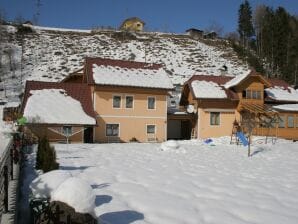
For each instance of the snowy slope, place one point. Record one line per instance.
(50, 54)
(193, 183)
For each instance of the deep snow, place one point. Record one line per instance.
(193, 183)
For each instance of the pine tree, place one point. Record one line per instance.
(245, 27)
(40, 153)
(46, 156)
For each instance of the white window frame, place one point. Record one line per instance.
(155, 128)
(115, 95)
(112, 135)
(133, 102)
(214, 125)
(154, 103)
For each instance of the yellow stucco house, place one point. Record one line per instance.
(133, 24)
(128, 102)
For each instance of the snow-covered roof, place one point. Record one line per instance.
(12, 104)
(54, 106)
(127, 73)
(210, 87)
(279, 93)
(235, 81)
(287, 107)
(58, 103)
(208, 90)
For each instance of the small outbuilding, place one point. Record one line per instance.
(133, 24)
(195, 33)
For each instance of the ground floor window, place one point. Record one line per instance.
(281, 123)
(214, 118)
(151, 129)
(290, 121)
(112, 130)
(67, 130)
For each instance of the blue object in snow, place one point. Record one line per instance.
(208, 140)
(242, 138)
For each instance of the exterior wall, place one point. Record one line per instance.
(41, 131)
(131, 128)
(252, 83)
(205, 130)
(132, 121)
(286, 132)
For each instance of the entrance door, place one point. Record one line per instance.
(88, 135)
(185, 129)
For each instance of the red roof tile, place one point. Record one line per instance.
(78, 91)
(279, 83)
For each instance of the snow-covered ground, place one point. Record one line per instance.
(189, 182)
(5, 135)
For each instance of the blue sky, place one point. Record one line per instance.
(162, 15)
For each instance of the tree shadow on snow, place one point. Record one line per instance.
(99, 186)
(102, 199)
(258, 150)
(122, 217)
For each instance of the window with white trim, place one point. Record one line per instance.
(112, 130)
(151, 103)
(129, 102)
(151, 129)
(215, 118)
(116, 101)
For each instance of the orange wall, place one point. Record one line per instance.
(132, 120)
(205, 130)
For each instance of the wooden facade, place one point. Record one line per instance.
(250, 100)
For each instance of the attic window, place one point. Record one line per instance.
(252, 94)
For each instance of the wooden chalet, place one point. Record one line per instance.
(250, 100)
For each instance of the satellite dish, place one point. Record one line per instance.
(190, 109)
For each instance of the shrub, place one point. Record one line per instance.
(46, 156)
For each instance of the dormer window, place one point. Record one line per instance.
(252, 94)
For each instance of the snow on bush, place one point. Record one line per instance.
(44, 185)
(77, 193)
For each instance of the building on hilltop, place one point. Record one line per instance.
(195, 33)
(132, 24)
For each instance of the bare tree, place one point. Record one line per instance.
(216, 27)
(36, 16)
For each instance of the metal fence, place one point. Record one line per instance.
(6, 174)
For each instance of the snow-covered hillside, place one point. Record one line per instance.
(50, 54)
